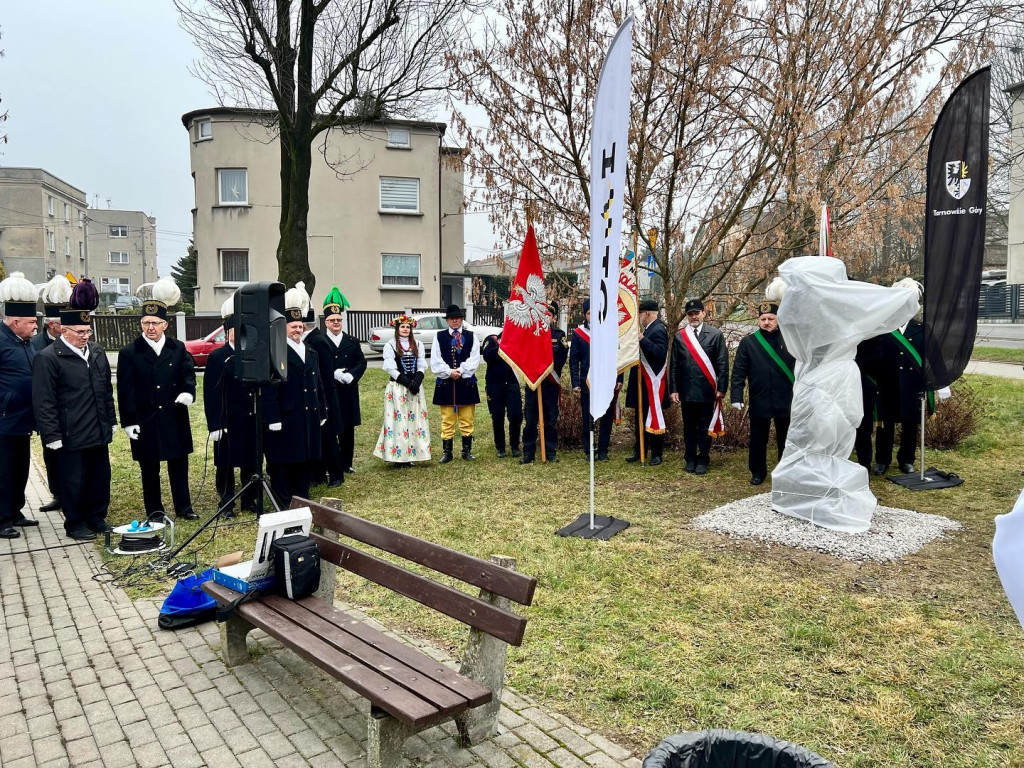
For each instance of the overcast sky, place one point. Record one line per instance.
(95, 91)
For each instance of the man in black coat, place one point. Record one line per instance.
(156, 384)
(579, 369)
(50, 332)
(327, 469)
(867, 363)
(551, 393)
(73, 401)
(699, 382)
(762, 358)
(454, 358)
(294, 411)
(230, 408)
(349, 364)
(652, 374)
(504, 397)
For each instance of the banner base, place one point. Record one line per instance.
(933, 479)
(604, 527)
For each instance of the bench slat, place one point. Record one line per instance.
(496, 622)
(471, 570)
(475, 693)
(310, 616)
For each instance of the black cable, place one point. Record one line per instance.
(45, 549)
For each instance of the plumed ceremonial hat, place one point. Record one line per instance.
(165, 294)
(647, 305)
(910, 284)
(84, 299)
(335, 302)
(227, 312)
(553, 308)
(19, 296)
(56, 295)
(296, 303)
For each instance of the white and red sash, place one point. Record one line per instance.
(654, 390)
(717, 426)
(584, 334)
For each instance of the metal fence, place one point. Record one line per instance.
(199, 326)
(359, 322)
(115, 331)
(494, 316)
(1001, 304)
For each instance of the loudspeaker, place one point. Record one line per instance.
(260, 333)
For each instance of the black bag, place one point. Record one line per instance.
(296, 566)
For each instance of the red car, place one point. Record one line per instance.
(200, 349)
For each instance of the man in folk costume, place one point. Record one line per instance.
(294, 411)
(16, 418)
(651, 375)
(551, 393)
(454, 358)
(73, 402)
(762, 358)
(230, 408)
(156, 384)
(700, 377)
(325, 471)
(56, 294)
(579, 369)
(348, 364)
(504, 397)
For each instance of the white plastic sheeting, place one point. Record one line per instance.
(823, 317)
(1008, 554)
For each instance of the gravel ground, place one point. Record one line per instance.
(893, 532)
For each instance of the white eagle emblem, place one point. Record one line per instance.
(530, 311)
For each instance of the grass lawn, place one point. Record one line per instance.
(998, 355)
(664, 629)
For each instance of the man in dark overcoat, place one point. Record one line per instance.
(700, 377)
(349, 364)
(579, 369)
(294, 410)
(763, 360)
(551, 393)
(73, 401)
(55, 295)
(454, 358)
(504, 398)
(326, 469)
(156, 384)
(652, 374)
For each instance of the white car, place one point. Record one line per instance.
(426, 329)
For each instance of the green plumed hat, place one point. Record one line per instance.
(335, 302)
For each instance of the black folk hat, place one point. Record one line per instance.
(648, 305)
(694, 305)
(454, 311)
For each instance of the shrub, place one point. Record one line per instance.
(954, 420)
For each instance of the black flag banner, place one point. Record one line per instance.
(954, 229)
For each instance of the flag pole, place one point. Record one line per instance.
(593, 426)
(639, 379)
(540, 423)
(924, 407)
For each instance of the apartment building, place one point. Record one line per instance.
(385, 220)
(121, 251)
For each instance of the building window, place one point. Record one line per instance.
(234, 186)
(234, 266)
(67, 211)
(399, 138)
(118, 257)
(399, 195)
(400, 269)
(204, 129)
(49, 205)
(67, 246)
(122, 286)
(51, 240)
(119, 230)
(81, 250)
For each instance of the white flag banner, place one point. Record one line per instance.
(608, 155)
(629, 320)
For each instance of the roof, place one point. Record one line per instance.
(1015, 87)
(41, 175)
(188, 117)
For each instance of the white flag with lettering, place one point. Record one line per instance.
(608, 154)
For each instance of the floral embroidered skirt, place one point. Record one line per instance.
(405, 433)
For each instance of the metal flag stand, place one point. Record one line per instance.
(930, 479)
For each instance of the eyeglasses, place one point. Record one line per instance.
(81, 334)
(153, 323)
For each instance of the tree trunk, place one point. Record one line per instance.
(293, 248)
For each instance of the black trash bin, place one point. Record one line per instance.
(731, 749)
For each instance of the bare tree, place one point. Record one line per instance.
(320, 65)
(3, 115)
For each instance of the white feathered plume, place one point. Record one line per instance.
(909, 284)
(57, 291)
(776, 288)
(227, 309)
(166, 291)
(297, 298)
(17, 288)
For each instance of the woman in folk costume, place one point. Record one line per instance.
(405, 433)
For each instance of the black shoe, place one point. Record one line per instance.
(700, 469)
(527, 459)
(634, 458)
(880, 469)
(81, 534)
(757, 480)
(502, 454)
(26, 523)
(10, 532)
(188, 514)
(690, 467)
(553, 460)
(156, 517)
(446, 451)
(516, 453)
(100, 527)
(336, 483)
(467, 448)
(907, 469)
(51, 506)
(228, 514)
(603, 456)
(655, 461)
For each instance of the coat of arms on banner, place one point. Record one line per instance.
(957, 179)
(530, 309)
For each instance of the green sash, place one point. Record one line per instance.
(917, 359)
(774, 355)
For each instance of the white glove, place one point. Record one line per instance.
(184, 399)
(56, 445)
(217, 434)
(132, 432)
(348, 377)
(322, 422)
(738, 406)
(275, 427)
(944, 394)
(339, 375)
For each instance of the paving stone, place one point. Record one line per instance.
(185, 756)
(47, 748)
(528, 757)
(536, 738)
(573, 741)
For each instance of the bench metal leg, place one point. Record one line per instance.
(232, 636)
(484, 662)
(328, 570)
(385, 737)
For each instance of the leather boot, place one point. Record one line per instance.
(467, 448)
(514, 433)
(446, 451)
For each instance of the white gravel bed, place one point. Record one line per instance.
(893, 534)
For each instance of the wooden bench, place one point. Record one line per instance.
(408, 691)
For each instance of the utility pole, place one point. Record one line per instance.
(85, 242)
(142, 237)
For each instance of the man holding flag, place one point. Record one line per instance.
(551, 391)
(650, 381)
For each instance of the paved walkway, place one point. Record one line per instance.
(87, 679)
(1005, 370)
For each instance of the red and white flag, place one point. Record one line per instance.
(526, 338)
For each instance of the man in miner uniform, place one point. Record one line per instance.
(454, 358)
(349, 365)
(327, 469)
(156, 384)
(294, 410)
(230, 409)
(56, 294)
